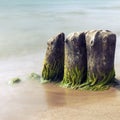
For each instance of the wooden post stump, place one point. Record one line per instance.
(53, 69)
(75, 65)
(100, 59)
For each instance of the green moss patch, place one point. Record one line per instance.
(34, 76)
(92, 82)
(14, 80)
(52, 72)
(72, 78)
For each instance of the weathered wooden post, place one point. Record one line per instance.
(100, 59)
(75, 67)
(53, 69)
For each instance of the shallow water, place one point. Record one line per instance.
(25, 27)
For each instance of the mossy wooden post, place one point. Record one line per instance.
(54, 60)
(75, 67)
(100, 59)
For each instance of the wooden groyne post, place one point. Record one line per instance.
(100, 59)
(75, 64)
(53, 68)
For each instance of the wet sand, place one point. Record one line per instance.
(30, 100)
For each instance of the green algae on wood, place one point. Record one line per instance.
(100, 59)
(53, 68)
(94, 85)
(72, 78)
(14, 81)
(75, 65)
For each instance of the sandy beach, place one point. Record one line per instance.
(48, 102)
(30, 100)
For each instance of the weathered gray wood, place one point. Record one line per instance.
(100, 58)
(54, 60)
(75, 67)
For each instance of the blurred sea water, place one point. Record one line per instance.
(26, 25)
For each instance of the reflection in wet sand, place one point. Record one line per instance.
(54, 97)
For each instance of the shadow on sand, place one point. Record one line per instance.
(116, 84)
